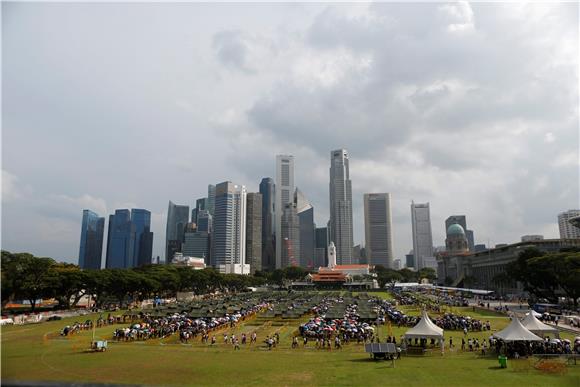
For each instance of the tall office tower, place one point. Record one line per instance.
(422, 235)
(91, 247)
(200, 205)
(378, 229)
(321, 251)
(204, 221)
(254, 231)
(211, 199)
(341, 206)
(305, 213)
(568, 230)
(267, 189)
(229, 229)
(284, 196)
(177, 219)
(410, 260)
(462, 221)
(195, 242)
(290, 237)
(121, 241)
(143, 250)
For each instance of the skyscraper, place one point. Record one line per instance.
(422, 235)
(195, 242)
(290, 237)
(91, 247)
(254, 231)
(143, 250)
(200, 205)
(177, 218)
(567, 230)
(267, 189)
(121, 241)
(341, 232)
(205, 221)
(321, 250)
(462, 221)
(284, 196)
(378, 229)
(305, 213)
(211, 199)
(229, 229)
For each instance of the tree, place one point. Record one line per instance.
(98, 282)
(67, 281)
(30, 277)
(428, 273)
(559, 270)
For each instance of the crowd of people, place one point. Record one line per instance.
(187, 327)
(452, 322)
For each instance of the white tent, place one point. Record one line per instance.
(516, 332)
(536, 326)
(426, 329)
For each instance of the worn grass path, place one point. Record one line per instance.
(35, 352)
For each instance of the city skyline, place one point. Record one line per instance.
(416, 125)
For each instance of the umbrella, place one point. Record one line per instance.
(566, 341)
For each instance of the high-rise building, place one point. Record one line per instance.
(305, 212)
(177, 219)
(121, 241)
(268, 189)
(321, 250)
(462, 221)
(422, 235)
(229, 229)
(91, 247)
(211, 199)
(410, 260)
(341, 231)
(195, 242)
(143, 250)
(290, 237)
(284, 196)
(567, 229)
(204, 222)
(200, 205)
(254, 231)
(378, 229)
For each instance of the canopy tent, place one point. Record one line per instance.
(426, 329)
(516, 332)
(534, 325)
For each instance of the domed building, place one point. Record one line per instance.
(456, 241)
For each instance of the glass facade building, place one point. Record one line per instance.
(143, 249)
(177, 219)
(91, 246)
(121, 241)
(267, 189)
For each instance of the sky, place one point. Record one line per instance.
(472, 107)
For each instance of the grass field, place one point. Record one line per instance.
(36, 352)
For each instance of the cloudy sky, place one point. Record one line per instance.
(471, 107)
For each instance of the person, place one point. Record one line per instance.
(254, 337)
(463, 343)
(294, 342)
(243, 338)
(484, 348)
(305, 340)
(213, 340)
(470, 345)
(236, 344)
(451, 342)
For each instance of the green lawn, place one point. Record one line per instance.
(36, 352)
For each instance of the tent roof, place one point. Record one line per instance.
(534, 325)
(425, 328)
(516, 332)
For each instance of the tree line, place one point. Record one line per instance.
(30, 278)
(548, 275)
